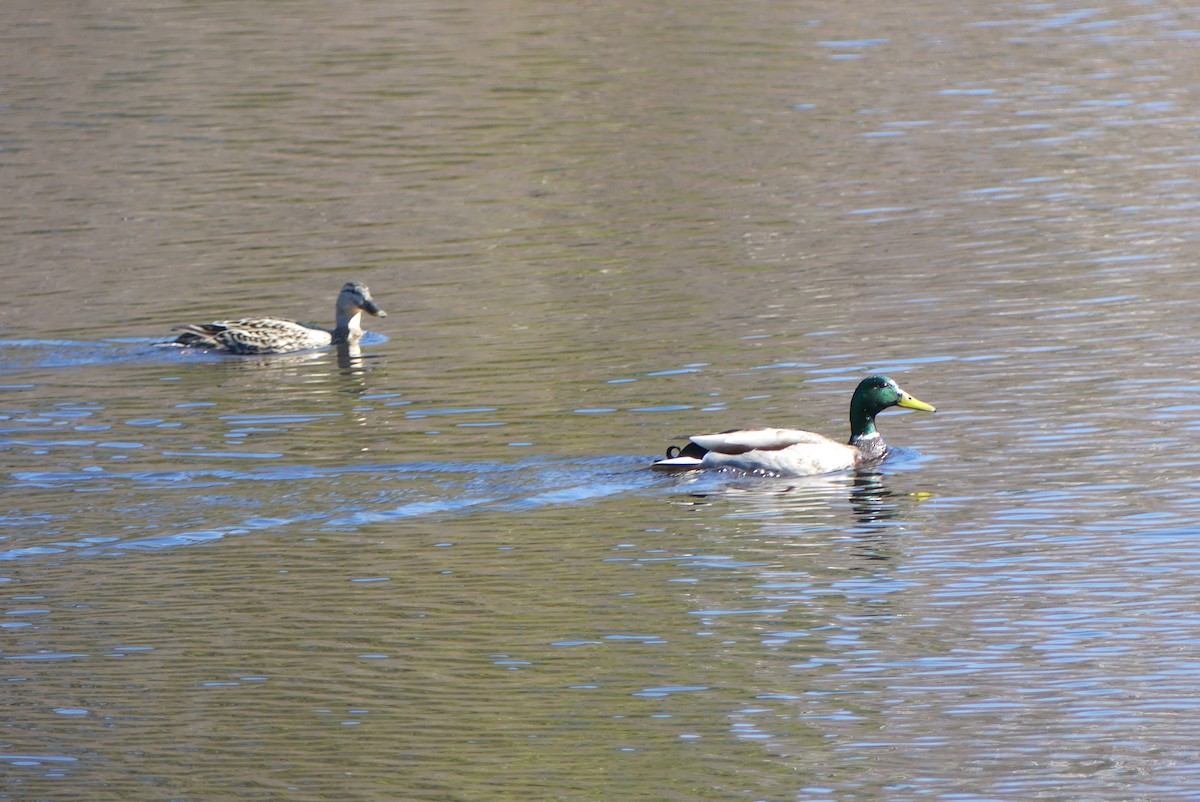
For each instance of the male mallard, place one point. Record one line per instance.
(793, 452)
(272, 335)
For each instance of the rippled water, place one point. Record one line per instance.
(438, 568)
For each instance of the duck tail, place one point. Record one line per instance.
(690, 450)
(687, 458)
(198, 335)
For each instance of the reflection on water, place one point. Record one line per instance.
(435, 566)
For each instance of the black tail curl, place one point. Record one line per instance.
(690, 450)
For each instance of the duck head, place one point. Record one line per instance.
(873, 395)
(356, 297)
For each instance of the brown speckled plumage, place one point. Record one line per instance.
(269, 335)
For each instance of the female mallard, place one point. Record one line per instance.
(793, 452)
(272, 335)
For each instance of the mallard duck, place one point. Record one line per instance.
(272, 335)
(793, 452)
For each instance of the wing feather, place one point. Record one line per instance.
(739, 441)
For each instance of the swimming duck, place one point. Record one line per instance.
(793, 452)
(271, 335)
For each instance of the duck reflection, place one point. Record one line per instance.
(352, 362)
(343, 368)
(861, 509)
(870, 498)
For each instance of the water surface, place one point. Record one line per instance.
(438, 568)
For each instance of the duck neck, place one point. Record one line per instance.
(349, 327)
(862, 421)
(870, 447)
(863, 434)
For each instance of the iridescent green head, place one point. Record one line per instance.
(872, 396)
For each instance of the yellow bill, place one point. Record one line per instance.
(908, 402)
